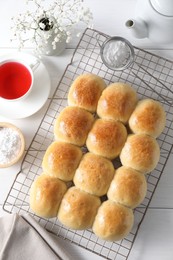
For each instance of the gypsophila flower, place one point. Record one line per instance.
(50, 21)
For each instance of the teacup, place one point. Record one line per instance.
(16, 79)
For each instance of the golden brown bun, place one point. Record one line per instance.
(140, 152)
(61, 160)
(113, 221)
(45, 195)
(85, 91)
(148, 118)
(78, 209)
(128, 187)
(72, 125)
(117, 102)
(106, 138)
(94, 174)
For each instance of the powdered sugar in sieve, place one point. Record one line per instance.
(117, 53)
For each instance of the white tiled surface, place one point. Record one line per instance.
(155, 238)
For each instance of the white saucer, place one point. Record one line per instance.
(38, 96)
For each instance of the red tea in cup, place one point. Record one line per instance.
(15, 80)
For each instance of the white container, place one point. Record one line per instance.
(12, 144)
(152, 19)
(45, 40)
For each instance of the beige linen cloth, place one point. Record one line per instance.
(22, 238)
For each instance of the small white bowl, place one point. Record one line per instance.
(12, 144)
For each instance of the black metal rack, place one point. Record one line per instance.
(152, 77)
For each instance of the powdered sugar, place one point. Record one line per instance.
(10, 145)
(116, 54)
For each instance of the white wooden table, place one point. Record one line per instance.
(155, 238)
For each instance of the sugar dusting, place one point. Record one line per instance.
(10, 145)
(116, 53)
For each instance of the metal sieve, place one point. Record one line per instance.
(117, 53)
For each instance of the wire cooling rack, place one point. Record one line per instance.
(151, 76)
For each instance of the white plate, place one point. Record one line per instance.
(38, 96)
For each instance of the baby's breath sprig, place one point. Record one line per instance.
(51, 21)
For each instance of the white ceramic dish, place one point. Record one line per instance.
(19, 149)
(36, 98)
